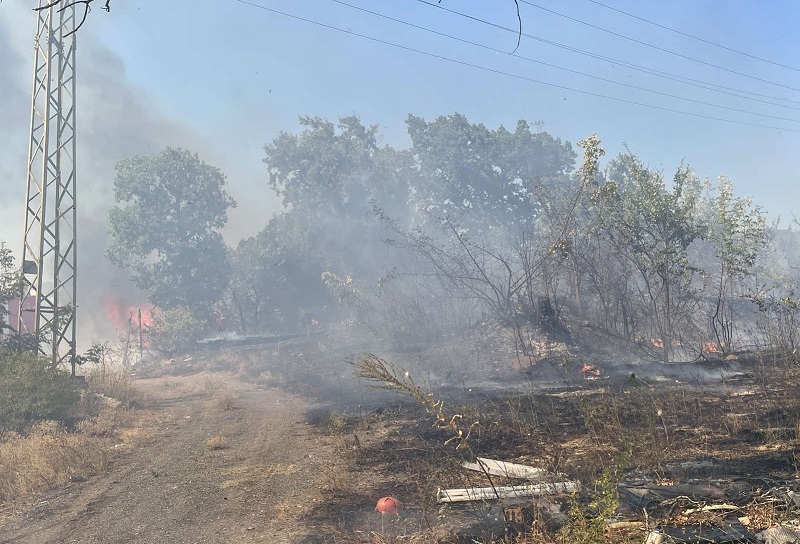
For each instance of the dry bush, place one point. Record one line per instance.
(106, 423)
(47, 457)
(216, 442)
(224, 402)
(113, 381)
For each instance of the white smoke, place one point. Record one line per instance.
(115, 120)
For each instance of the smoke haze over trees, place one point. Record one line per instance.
(467, 225)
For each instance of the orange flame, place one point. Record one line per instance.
(588, 370)
(658, 343)
(122, 315)
(710, 347)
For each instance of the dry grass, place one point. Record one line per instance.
(338, 421)
(212, 386)
(109, 423)
(243, 364)
(251, 475)
(224, 402)
(47, 457)
(216, 443)
(115, 382)
(425, 536)
(749, 429)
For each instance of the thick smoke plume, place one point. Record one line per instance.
(115, 120)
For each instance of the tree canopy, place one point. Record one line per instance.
(469, 167)
(165, 228)
(468, 221)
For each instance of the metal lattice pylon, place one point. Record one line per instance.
(49, 256)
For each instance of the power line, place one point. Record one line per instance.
(462, 40)
(693, 37)
(658, 48)
(509, 74)
(631, 66)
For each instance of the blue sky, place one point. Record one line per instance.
(236, 75)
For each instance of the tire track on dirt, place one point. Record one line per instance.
(256, 487)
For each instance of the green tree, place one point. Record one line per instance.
(736, 233)
(175, 331)
(338, 169)
(165, 228)
(650, 227)
(9, 283)
(487, 174)
(329, 177)
(275, 276)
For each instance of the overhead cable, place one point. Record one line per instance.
(693, 37)
(507, 74)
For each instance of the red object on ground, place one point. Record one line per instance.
(388, 505)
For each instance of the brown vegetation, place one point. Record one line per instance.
(216, 442)
(43, 455)
(598, 434)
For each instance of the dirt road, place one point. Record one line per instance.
(253, 482)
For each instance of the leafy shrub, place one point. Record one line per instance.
(32, 390)
(589, 524)
(175, 331)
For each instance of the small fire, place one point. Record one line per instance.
(710, 347)
(589, 371)
(658, 343)
(123, 315)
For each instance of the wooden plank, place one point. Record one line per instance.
(504, 492)
(507, 470)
